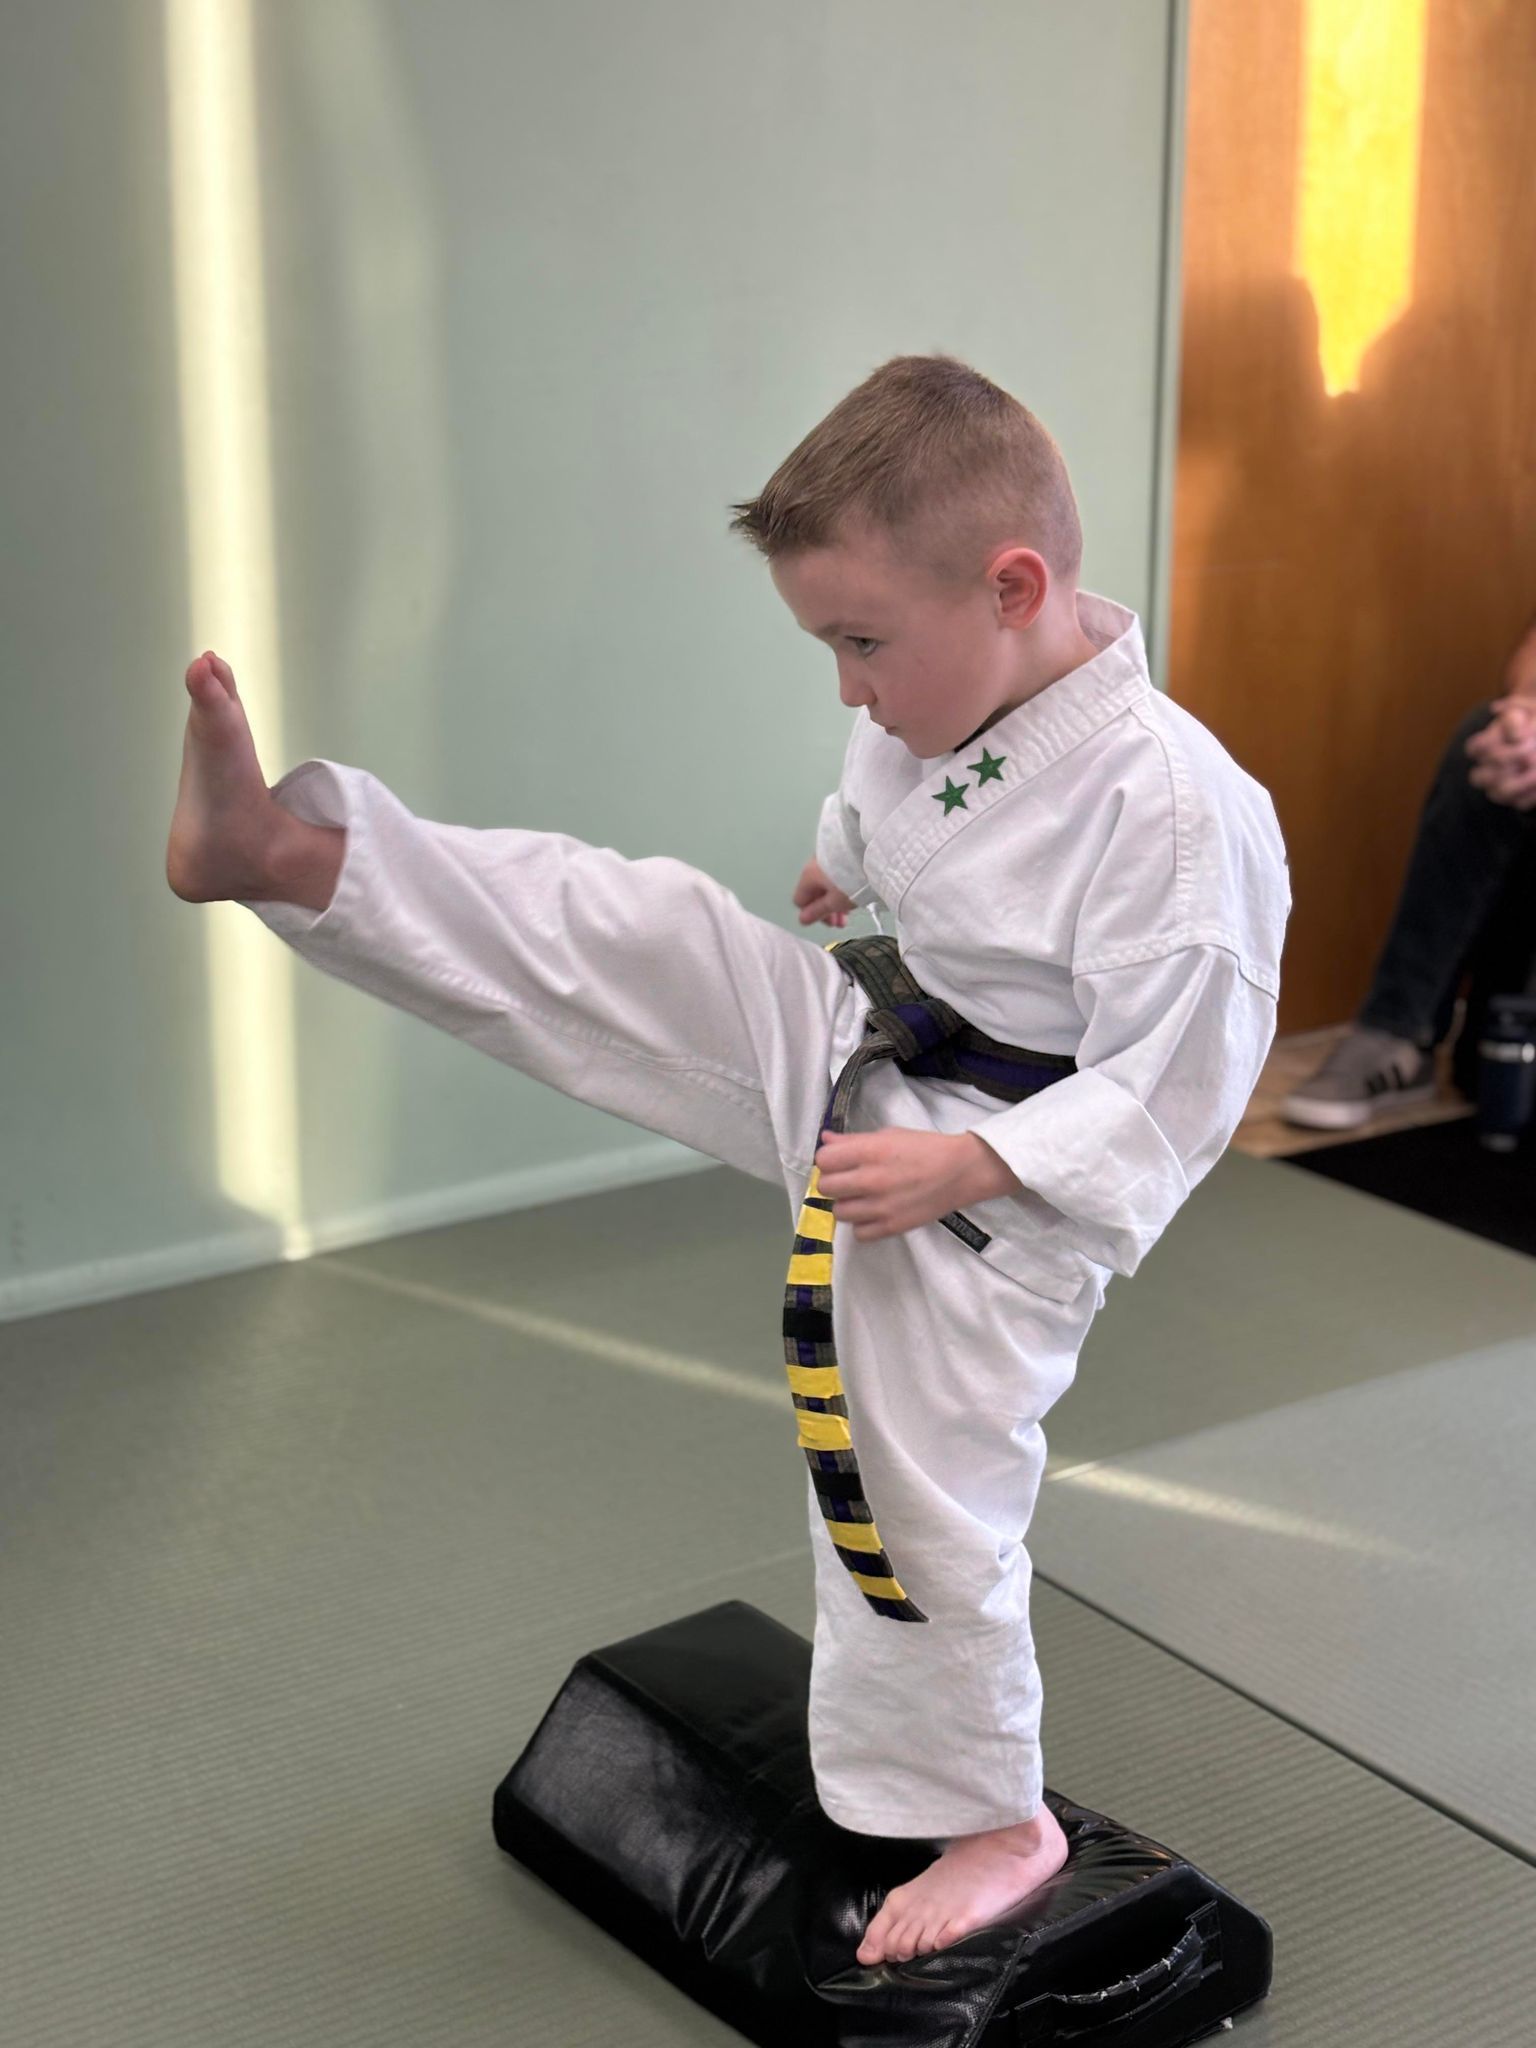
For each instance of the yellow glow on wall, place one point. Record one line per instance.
(1363, 93)
(221, 325)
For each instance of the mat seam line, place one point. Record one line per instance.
(1374, 1770)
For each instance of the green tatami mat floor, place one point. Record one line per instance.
(290, 1564)
(1362, 1562)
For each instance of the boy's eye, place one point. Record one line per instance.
(864, 648)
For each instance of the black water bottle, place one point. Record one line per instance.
(1506, 1071)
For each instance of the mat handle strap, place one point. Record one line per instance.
(1086, 2015)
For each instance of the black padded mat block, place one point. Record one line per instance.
(667, 1793)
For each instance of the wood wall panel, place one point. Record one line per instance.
(1349, 572)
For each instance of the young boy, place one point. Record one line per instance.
(1074, 865)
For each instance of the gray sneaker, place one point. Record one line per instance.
(1367, 1072)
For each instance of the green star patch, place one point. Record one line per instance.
(949, 796)
(986, 769)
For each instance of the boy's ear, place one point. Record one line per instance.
(1022, 582)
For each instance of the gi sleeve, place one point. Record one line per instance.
(1170, 1054)
(840, 839)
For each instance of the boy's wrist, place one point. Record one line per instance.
(986, 1173)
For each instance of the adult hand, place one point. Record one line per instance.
(886, 1182)
(1503, 754)
(817, 896)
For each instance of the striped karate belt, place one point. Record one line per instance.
(923, 1035)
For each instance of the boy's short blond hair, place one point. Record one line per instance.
(935, 459)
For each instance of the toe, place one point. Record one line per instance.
(872, 1948)
(876, 1945)
(883, 1937)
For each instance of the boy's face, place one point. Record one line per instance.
(931, 664)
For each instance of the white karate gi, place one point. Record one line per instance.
(1113, 886)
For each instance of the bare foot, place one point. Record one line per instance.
(223, 826)
(977, 1878)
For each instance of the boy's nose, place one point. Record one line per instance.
(853, 692)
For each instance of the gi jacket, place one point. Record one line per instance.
(1094, 875)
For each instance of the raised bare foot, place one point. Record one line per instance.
(225, 817)
(977, 1878)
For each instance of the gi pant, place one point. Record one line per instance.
(644, 988)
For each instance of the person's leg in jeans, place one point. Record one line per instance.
(1462, 854)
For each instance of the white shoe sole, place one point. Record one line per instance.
(1349, 1116)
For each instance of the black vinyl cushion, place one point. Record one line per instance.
(667, 1793)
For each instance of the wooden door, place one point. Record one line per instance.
(1355, 513)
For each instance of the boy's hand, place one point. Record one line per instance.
(886, 1182)
(817, 896)
(1503, 754)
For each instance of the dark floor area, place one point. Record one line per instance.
(1442, 1170)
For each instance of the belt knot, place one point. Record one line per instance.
(914, 1028)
